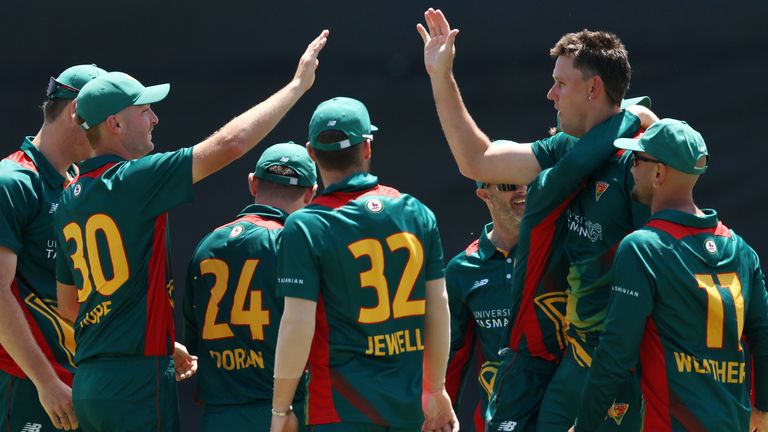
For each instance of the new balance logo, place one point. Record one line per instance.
(32, 427)
(479, 283)
(54, 206)
(507, 426)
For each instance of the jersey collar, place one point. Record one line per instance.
(44, 167)
(486, 249)
(264, 211)
(709, 219)
(97, 162)
(355, 182)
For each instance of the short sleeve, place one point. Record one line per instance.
(18, 205)
(435, 267)
(550, 150)
(298, 273)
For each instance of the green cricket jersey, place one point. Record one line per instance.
(231, 309)
(596, 220)
(30, 188)
(686, 292)
(542, 255)
(479, 283)
(112, 228)
(364, 253)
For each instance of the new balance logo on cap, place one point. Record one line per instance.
(507, 426)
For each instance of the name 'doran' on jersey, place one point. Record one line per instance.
(407, 340)
(238, 358)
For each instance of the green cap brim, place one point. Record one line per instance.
(153, 94)
(640, 100)
(628, 144)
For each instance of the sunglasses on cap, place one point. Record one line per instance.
(54, 85)
(504, 187)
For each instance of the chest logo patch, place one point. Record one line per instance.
(76, 191)
(374, 206)
(617, 411)
(236, 231)
(710, 246)
(600, 188)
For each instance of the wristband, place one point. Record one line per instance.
(277, 413)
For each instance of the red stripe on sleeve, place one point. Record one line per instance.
(654, 381)
(159, 335)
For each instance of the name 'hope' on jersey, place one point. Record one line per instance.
(364, 252)
(112, 228)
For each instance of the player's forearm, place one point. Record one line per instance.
(467, 142)
(436, 336)
(294, 341)
(66, 298)
(242, 133)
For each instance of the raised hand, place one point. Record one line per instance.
(438, 412)
(439, 49)
(305, 72)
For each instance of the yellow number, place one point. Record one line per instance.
(220, 271)
(254, 317)
(105, 224)
(374, 278)
(92, 268)
(73, 232)
(402, 307)
(715, 308)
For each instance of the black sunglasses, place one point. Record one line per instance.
(54, 85)
(504, 187)
(636, 157)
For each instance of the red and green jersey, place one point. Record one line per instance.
(686, 292)
(541, 268)
(364, 253)
(596, 220)
(479, 283)
(29, 195)
(231, 309)
(112, 228)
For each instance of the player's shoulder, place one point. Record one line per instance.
(18, 178)
(643, 240)
(154, 160)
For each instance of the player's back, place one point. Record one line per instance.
(112, 232)
(369, 252)
(691, 359)
(232, 310)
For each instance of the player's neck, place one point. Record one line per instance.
(502, 238)
(682, 202)
(600, 114)
(51, 140)
(333, 177)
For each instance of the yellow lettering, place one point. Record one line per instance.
(419, 344)
(216, 356)
(379, 343)
(369, 351)
(400, 340)
(408, 346)
(257, 358)
(391, 345)
(696, 366)
(742, 374)
(733, 370)
(683, 362)
(239, 358)
(94, 315)
(228, 360)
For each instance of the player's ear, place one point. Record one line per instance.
(367, 149)
(310, 194)
(596, 85)
(309, 150)
(253, 184)
(482, 194)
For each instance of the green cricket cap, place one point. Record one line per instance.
(111, 93)
(480, 184)
(640, 100)
(69, 82)
(672, 142)
(342, 114)
(289, 155)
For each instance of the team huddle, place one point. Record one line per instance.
(598, 298)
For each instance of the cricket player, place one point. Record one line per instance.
(112, 264)
(231, 309)
(361, 269)
(591, 76)
(36, 344)
(479, 283)
(687, 294)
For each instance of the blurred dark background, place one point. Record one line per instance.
(700, 61)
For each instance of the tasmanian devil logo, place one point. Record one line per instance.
(600, 188)
(617, 411)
